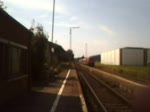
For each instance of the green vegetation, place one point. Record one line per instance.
(2, 6)
(139, 73)
(47, 59)
(39, 53)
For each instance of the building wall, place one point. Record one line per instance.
(148, 56)
(103, 58)
(111, 57)
(14, 58)
(125, 56)
(117, 57)
(13, 87)
(132, 56)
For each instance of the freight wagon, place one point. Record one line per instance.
(14, 58)
(126, 56)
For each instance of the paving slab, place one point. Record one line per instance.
(42, 98)
(70, 100)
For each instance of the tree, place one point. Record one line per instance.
(2, 5)
(39, 53)
(70, 55)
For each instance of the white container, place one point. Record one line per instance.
(147, 57)
(132, 56)
(124, 56)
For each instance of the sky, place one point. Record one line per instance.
(104, 24)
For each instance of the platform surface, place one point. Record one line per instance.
(62, 95)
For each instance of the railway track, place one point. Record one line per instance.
(106, 98)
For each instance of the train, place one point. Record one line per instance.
(91, 60)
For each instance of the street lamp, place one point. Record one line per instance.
(71, 35)
(53, 16)
(52, 49)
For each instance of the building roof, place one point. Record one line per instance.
(132, 48)
(57, 47)
(4, 13)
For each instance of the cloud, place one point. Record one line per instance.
(74, 18)
(62, 24)
(78, 21)
(84, 25)
(61, 40)
(38, 5)
(107, 30)
(32, 4)
(81, 24)
(94, 47)
(9, 10)
(43, 16)
(65, 24)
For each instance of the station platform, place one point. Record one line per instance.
(63, 94)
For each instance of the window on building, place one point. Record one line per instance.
(3, 60)
(24, 61)
(17, 61)
(13, 61)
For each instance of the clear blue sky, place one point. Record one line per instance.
(104, 24)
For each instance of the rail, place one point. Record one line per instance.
(107, 98)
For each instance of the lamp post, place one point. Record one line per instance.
(53, 17)
(71, 35)
(52, 49)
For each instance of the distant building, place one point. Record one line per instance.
(58, 53)
(126, 56)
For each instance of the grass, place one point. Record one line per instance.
(139, 73)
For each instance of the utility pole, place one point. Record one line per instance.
(70, 37)
(53, 17)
